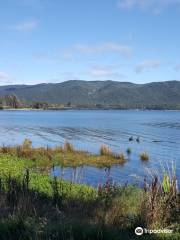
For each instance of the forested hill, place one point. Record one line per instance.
(98, 93)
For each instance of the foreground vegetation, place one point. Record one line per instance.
(34, 205)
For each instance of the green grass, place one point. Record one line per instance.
(16, 167)
(46, 199)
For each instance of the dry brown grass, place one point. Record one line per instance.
(68, 147)
(160, 204)
(144, 156)
(105, 150)
(66, 155)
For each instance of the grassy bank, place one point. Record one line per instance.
(65, 156)
(36, 206)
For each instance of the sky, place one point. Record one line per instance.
(49, 41)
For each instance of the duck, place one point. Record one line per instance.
(131, 138)
(138, 139)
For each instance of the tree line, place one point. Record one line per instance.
(13, 102)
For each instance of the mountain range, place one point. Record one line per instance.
(79, 92)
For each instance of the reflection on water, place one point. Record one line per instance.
(90, 175)
(116, 174)
(158, 131)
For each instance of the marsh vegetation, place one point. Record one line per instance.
(35, 205)
(144, 156)
(65, 156)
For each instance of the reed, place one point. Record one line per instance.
(68, 147)
(160, 201)
(105, 151)
(144, 156)
(66, 156)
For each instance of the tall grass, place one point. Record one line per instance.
(66, 204)
(105, 150)
(144, 156)
(65, 155)
(161, 201)
(68, 147)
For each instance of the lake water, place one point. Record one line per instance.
(159, 133)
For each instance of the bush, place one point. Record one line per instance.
(144, 156)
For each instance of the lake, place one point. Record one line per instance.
(158, 131)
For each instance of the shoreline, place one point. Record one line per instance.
(93, 109)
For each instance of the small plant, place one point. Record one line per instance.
(26, 180)
(27, 148)
(105, 150)
(68, 147)
(27, 144)
(166, 183)
(144, 156)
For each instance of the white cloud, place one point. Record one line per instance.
(26, 26)
(155, 5)
(106, 72)
(104, 47)
(147, 64)
(100, 71)
(3, 75)
(128, 4)
(77, 51)
(5, 78)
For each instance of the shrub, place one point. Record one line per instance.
(144, 156)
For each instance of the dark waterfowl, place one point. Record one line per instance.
(131, 139)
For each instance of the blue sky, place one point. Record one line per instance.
(58, 40)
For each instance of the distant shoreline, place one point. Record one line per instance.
(89, 95)
(101, 109)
